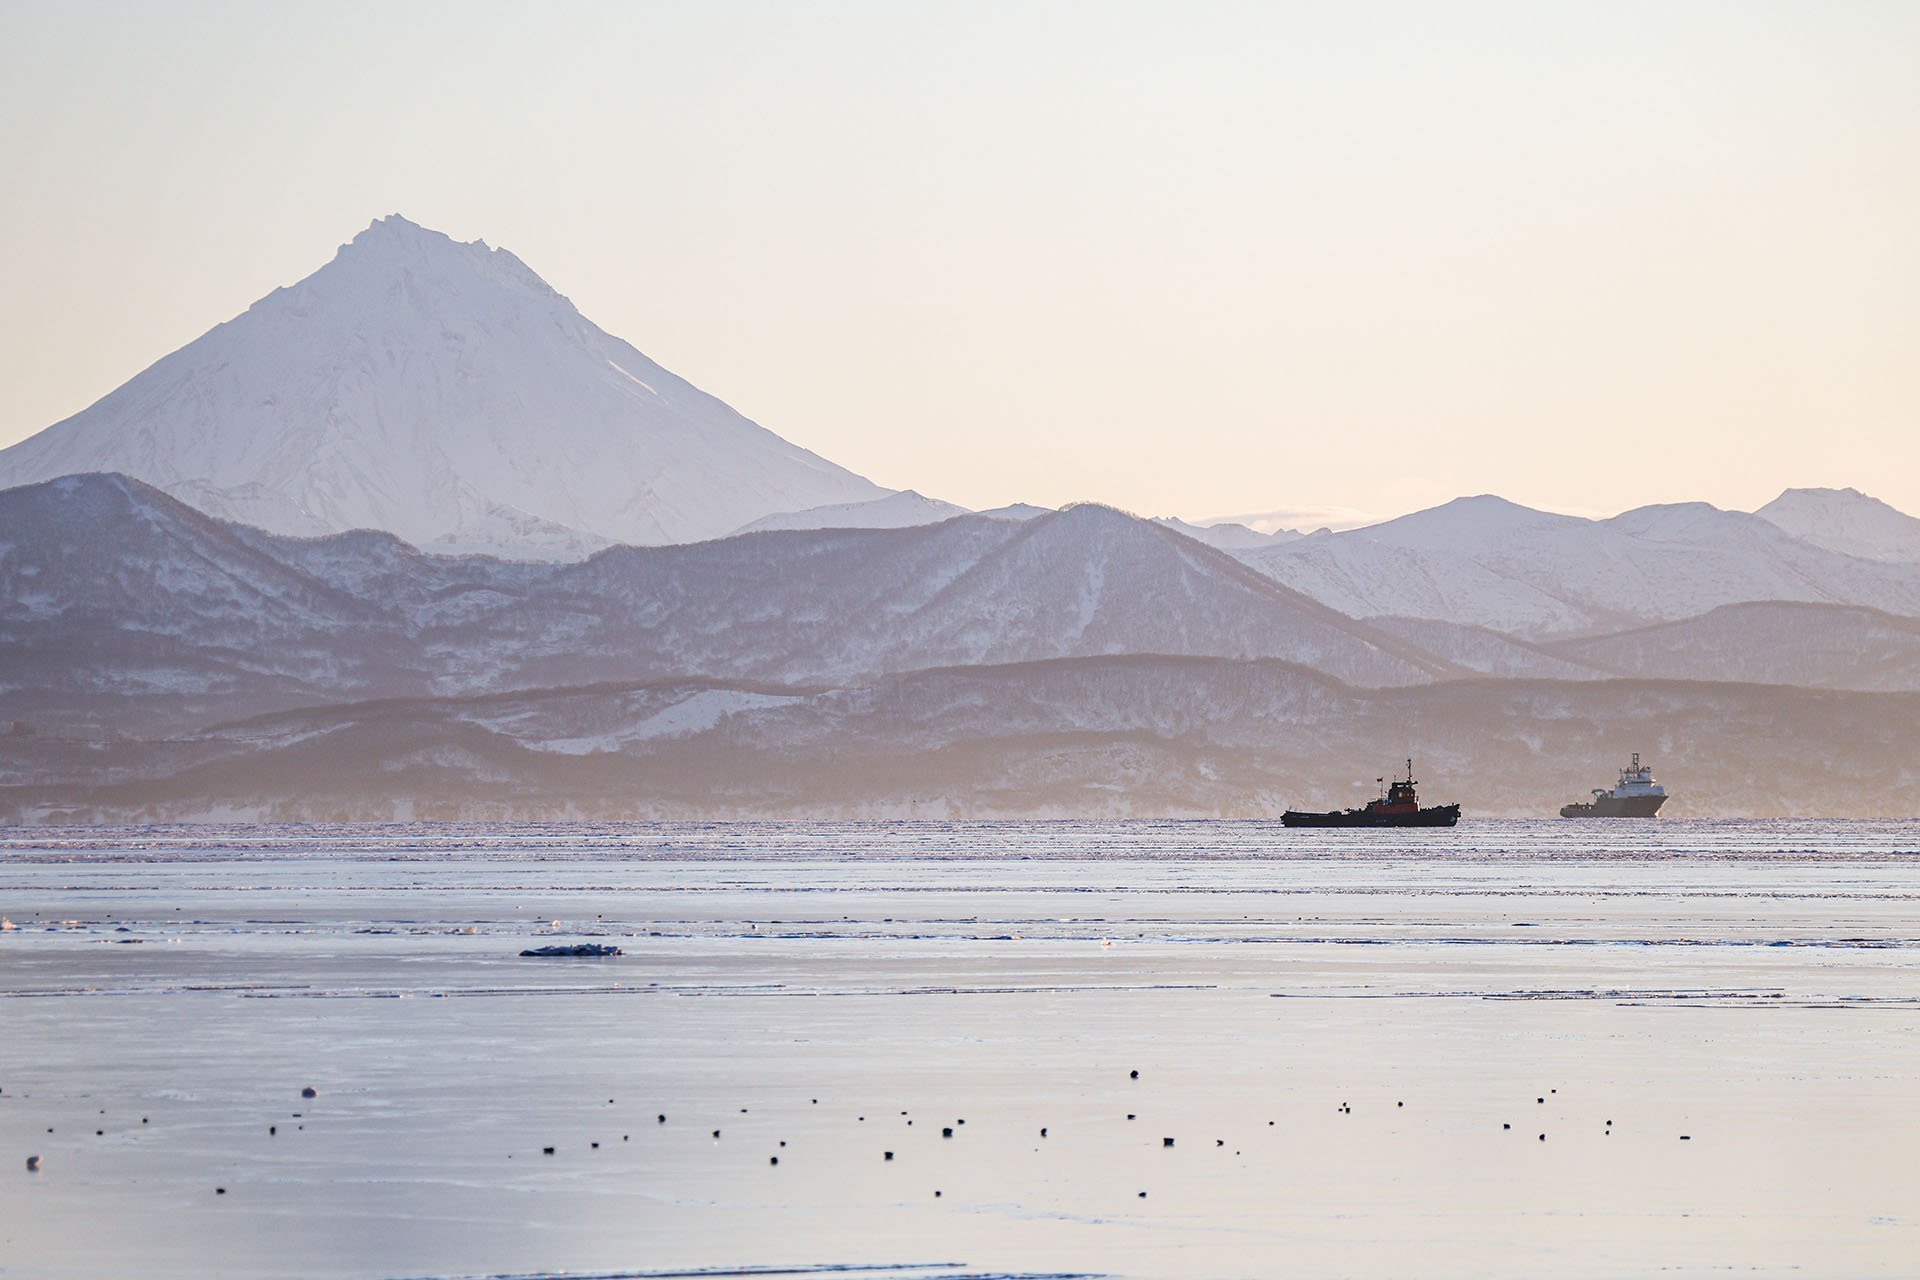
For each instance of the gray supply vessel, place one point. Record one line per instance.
(1636, 795)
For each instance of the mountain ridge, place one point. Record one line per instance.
(1848, 521)
(121, 605)
(1489, 562)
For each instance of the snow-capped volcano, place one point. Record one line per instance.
(444, 392)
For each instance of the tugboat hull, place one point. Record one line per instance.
(1606, 806)
(1442, 815)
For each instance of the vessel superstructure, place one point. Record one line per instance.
(1636, 795)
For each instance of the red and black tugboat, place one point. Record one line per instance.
(1398, 806)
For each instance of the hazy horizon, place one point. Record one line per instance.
(1227, 261)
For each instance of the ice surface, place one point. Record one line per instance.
(1750, 986)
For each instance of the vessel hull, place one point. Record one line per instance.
(1615, 807)
(1443, 815)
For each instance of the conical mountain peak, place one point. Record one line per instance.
(395, 239)
(399, 226)
(392, 250)
(444, 392)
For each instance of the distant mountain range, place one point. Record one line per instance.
(1487, 562)
(124, 609)
(228, 589)
(157, 662)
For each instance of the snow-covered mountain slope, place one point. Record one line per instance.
(1490, 653)
(1225, 535)
(1811, 645)
(1015, 511)
(1298, 522)
(836, 605)
(1487, 562)
(1702, 557)
(121, 606)
(895, 511)
(445, 393)
(1135, 735)
(1475, 526)
(1363, 578)
(1847, 521)
(1093, 580)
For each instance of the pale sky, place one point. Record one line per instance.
(1187, 258)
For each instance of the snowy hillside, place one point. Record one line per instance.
(1492, 653)
(1847, 521)
(1363, 578)
(1811, 645)
(832, 606)
(445, 393)
(121, 607)
(1135, 735)
(1225, 534)
(1487, 562)
(895, 511)
(1015, 511)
